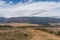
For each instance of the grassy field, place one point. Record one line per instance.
(55, 31)
(15, 34)
(30, 32)
(19, 24)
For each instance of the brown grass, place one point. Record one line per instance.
(41, 35)
(15, 34)
(19, 24)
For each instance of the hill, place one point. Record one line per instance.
(33, 20)
(26, 34)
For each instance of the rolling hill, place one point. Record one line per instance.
(34, 20)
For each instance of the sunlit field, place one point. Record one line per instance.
(33, 32)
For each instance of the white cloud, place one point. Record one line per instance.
(38, 9)
(2, 3)
(30, 0)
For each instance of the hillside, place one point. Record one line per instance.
(41, 35)
(20, 24)
(34, 20)
(26, 34)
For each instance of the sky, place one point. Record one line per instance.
(30, 8)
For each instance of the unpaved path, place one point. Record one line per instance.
(40, 35)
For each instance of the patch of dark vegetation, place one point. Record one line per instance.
(57, 33)
(5, 26)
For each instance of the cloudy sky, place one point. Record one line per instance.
(30, 8)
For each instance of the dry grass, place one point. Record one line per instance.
(55, 31)
(19, 24)
(41, 35)
(15, 34)
(18, 33)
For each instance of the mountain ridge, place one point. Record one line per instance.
(34, 20)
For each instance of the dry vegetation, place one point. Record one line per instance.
(55, 31)
(19, 24)
(28, 32)
(14, 34)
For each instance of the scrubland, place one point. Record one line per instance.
(8, 32)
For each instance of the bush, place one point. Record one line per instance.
(51, 32)
(5, 26)
(57, 33)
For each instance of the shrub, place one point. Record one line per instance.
(57, 33)
(5, 26)
(51, 32)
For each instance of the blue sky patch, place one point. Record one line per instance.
(17, 1)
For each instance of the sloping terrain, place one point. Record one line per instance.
(26, 34)
(20, 24)
(40, 35)
(15, 34)
(33, 20)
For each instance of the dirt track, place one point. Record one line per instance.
(40, 35)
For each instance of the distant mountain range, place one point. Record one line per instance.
(34, 20)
